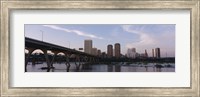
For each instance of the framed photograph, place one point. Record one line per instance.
(100, 48)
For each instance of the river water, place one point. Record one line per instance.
(114, 67)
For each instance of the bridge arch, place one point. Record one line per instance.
(28, 52)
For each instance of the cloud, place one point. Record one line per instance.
(80, 33)
(152, 36)
(144, 38)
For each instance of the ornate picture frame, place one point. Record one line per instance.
(8, 5)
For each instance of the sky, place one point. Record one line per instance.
(140, 36)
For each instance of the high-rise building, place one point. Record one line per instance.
(157, 52)
(117, 50)
(103, 55)
(146, 54)
(94, 51)
(88, 46)
(153, 53)
(131, 53)
(110, 50)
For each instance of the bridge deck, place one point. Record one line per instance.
(32, 43)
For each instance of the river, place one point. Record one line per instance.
(113, 67)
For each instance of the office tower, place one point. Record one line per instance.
(157, 50)
(110, 50)
(88, 46)
(117, 50)
(153, 53)
(103, 55)
(146, 54)
(131, 53)
(94, 51)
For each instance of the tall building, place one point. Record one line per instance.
(117, 50)
(103, 55)
(153, 53)
(110, 50)
(131, 53)
(94, 51)
(99, 52)
(157, 52)
(88, 46)
(146, 54)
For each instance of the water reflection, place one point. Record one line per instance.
(113, 67)
(117, 68)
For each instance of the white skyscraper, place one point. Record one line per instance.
(131, 53)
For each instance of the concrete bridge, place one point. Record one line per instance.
(32, 45)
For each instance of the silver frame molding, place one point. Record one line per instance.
(8, 5)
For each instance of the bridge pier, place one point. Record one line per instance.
(52, 61)
(78, 60)
(47, 59)
(83, 60)
(97, 60)
(30, 51)
(49, 62)
(90, 60)
(67, 63)
(86, 59)
(93, 60)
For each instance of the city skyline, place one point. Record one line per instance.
(140, 36)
